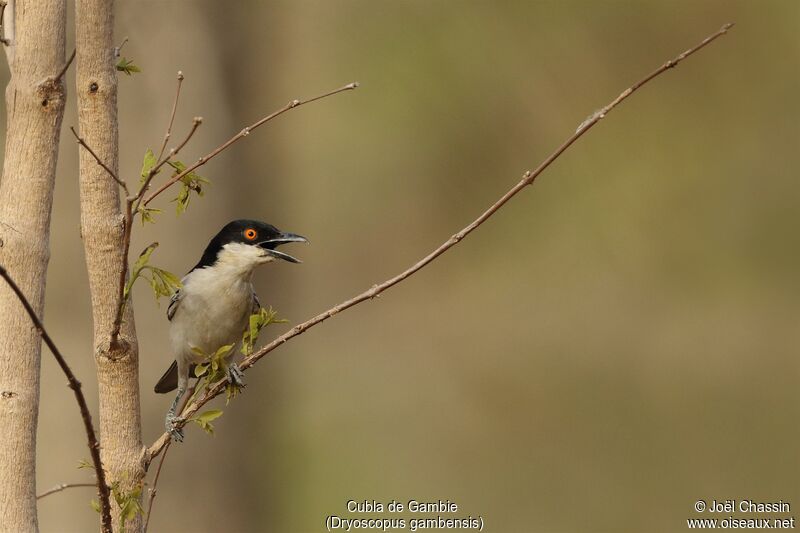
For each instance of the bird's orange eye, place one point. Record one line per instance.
(250, 234)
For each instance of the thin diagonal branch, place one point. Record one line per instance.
(244, 133)
(75, 385)
(66, 66)
(118, 49)
(63, 486)
(171, 116)
(527, 179)
(99, 161)
(196, 122)
(154, 489)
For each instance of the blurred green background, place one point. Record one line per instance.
(618, 342)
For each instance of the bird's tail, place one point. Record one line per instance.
(169, 381)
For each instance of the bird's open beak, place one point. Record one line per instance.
(269, 246)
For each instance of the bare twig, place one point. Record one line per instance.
(127, 228)
(118, 49)
(375, 291)
(196, 122)
(99, 161)
(63, 486)
(244, 133)
(66, 66)
(154, 489)
(171, 116)
(75, 385)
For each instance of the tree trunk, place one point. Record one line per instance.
(102, 231)
(35, 106)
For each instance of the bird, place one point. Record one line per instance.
(213, 306)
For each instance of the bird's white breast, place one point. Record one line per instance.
(215, 305)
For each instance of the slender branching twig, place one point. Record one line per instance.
(196, 122)
(63, 486)
(154, 488)
(172, 116)
(75, 385)
(118, 49)
(66, 66)
(375, 291)
(244, 133)
(99, 161)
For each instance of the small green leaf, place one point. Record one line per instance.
(144, 257)
(190, 182)
(180, 166)
(200, 370)
(258, 321)
(211, 414)
(231, 391)
(204, 420)
(128, 503)
(148, 164)
(223, 350)
(170, 279)
(148, 214)
(84, 463)
(182, 200)
(130, 508)
(127, 66)
(157, 286)
(141, 262)
(162, 282)
(95, 505)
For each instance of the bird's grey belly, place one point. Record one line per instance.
(209, 323)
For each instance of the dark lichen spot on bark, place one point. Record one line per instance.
(8, 394)
(93, 87)
(50, 94)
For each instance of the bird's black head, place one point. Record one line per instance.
(261, 235)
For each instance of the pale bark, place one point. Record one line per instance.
(102, 231)
(35, 106)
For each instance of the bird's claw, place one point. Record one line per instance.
(236, 376)
(171, 424)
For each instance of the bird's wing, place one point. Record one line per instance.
(174, 302)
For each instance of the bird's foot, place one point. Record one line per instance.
(171, 425)
(236, 376)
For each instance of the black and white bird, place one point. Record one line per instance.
(213, 307)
